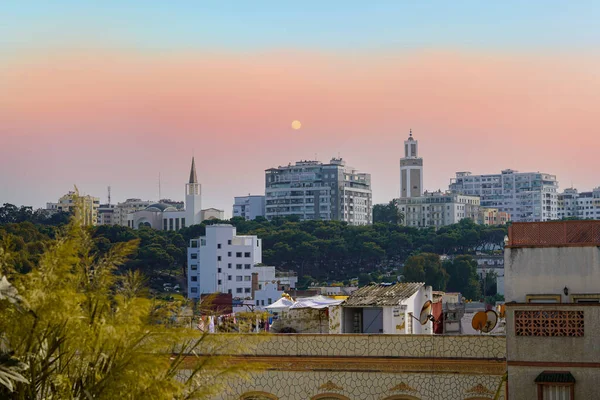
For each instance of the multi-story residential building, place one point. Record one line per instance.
(584, 205)
(313, 190)
(223, 262)
(249, 207)
(411, 169)
(527, 197)
(89, 207)
(105, 214)
(552, 276)
(438, 209)
(127, 207)
(492, 216)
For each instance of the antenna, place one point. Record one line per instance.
(159, 186)
(109, 195)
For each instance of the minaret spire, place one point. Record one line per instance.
(193, 176)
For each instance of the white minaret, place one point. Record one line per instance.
(193, 198)
(411, 169)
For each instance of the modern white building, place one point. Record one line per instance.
(411, 169)
(527, 197)
(249, 207)
(316, 191)
(223, 262)
(105, 214)
(270, 285)
(437, 209)
(584, 205)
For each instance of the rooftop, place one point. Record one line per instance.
(382, 295)
(554, 234)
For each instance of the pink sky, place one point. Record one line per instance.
(116, 118)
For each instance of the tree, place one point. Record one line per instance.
(426, 267)
(72, 329)
(388, 213)
(463, 277)
(489, 283)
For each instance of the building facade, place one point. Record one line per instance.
(492, 216)
(249, 207)
(313, 190)
(438, 209)
(411, 169)
(106, 214)
(223, 262)
(127, 207)
(584, 205)
(552, 274)
(89, 207)
(527, 197)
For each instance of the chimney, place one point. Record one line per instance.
(254, 283)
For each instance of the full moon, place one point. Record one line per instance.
(296, 125)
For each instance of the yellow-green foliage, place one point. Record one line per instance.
(75, 330)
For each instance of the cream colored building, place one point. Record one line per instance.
(437, 209)
(552, 291)
(127, 207)
(492, 216)
(89, 205)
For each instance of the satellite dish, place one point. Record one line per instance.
(425, 313)
(479, 320)
(492, 320)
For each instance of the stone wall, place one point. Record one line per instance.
(374, 367)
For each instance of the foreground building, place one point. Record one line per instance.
(89, 206)
(584, 205)
(438, 209)
(223, 262)
(249, 207)
(552, 275)
(527, 197)
(313, 190)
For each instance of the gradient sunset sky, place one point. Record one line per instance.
(116, 92)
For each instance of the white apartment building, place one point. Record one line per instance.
(249, 207)
(270, 285)
(89, 206)
(223, 262)
(584, 205)
(106, 214)
(127, 207)
(437, 209)
(316, 191)
(527, 196)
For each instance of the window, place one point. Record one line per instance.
(194, 278)
(247, 290)
(170, 224)
(238, 254)
(543, 298)
(229, 242)
(247, 254)
(247, 278)
(183, 222)
(228, 277)
(194, 267)
(219, 282)
(218, 245)
(239, 290)
(229, 291)
(247, 266)
(238, 266)
(239, 278)
(229, 265)
(228, 254)
(164, 224)
(559, 385)
(585, 298)
(194, 290)
(218, 258)
(258, 302)
(176, 224)
(202, 242)
(269, 301)
(194, 256)
(219, 270)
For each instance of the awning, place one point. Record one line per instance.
(555, 377)
(281, 304)
(316, 302)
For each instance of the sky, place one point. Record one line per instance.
(116, 93)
